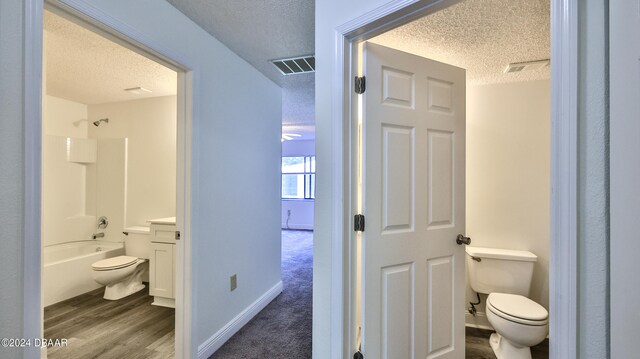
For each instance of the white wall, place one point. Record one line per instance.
(64, 118)
(301, 210)
(593, 182)
(106, 187)
(65, 216)
(507, 175)
(12, 188)
(236, 139)
(64, 183)
(133, 178)
(297, 214)
(624, 190)
(299, 148)
(149, 125)
(76, 191)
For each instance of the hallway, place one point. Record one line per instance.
(283, 328)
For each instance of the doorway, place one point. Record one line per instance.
(391, 22)
(102, 143)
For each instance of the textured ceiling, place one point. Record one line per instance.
(482, 36)
(298, 100)
(85, 67)
(260, 31)
(257, 30)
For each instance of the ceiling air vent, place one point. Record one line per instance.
(296, 65)
(526, 66)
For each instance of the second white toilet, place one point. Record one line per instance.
(505, 275)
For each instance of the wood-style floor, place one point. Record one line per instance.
(97, 328)
(477, 346)
(133, 328)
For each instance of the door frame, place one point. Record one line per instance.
(564, 163)
(88, 16)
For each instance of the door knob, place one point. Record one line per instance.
(463, 240)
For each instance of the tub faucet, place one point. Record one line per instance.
(103, 222)
(97, 235)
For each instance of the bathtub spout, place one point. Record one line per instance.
(97, 235)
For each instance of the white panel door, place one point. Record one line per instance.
(413, 272)
(624, 55)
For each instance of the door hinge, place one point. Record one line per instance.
(177, 235)
(358, 223)
(360, 84)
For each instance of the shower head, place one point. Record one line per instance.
(97, 123)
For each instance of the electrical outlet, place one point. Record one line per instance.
(288, 212)
(234, 281)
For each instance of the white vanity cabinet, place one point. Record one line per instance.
(162, 261)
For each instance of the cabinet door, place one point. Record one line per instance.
(161, 281)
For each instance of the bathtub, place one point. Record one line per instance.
(67, 268)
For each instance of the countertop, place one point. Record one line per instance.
(167, 220)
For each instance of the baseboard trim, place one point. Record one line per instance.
(480, 321)
(306, 227)
(214, 343)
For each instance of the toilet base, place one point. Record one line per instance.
(503, 349)
(126, 287)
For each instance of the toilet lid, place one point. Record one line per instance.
(114, 263)
(512, 306)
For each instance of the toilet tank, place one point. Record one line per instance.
(137, 242)
(500, 270)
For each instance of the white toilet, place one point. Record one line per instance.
(505, 275)
(122, 275)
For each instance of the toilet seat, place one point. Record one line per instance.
(114, 263)
(518, 309)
